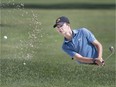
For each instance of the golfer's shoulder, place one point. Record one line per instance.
(83, 30)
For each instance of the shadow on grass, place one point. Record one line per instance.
(5, 25)
(60, 6)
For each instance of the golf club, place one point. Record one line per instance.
(111, 48)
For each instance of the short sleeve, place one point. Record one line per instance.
(89, 35)
(70, 52)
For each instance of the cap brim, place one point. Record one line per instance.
(54, 25)
(60, 23)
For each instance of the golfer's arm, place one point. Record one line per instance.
(99, 48)
(83, 59)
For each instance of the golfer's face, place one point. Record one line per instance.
(62, 29)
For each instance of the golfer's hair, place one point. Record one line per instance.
(68, 24)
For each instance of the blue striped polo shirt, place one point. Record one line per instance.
(81, 43)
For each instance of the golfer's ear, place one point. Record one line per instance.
(67, 24)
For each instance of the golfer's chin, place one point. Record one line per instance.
(66, 34)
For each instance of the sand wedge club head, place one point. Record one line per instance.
(111, 48)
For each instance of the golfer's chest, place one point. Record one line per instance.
(75, 44)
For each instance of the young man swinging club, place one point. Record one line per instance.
(80, 44)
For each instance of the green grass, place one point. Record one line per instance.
(32, 40)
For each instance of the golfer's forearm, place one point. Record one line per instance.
(99, 51)
(99, 48)
(83, 59)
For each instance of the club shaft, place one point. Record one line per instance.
(109, 56)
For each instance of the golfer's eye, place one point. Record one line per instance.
(59, 26)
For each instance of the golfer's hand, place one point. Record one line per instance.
(100, 61)
(103, 62)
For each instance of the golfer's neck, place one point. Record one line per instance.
(68, 36)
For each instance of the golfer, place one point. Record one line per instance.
(80, 44)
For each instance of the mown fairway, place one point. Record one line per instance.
(31, 56)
